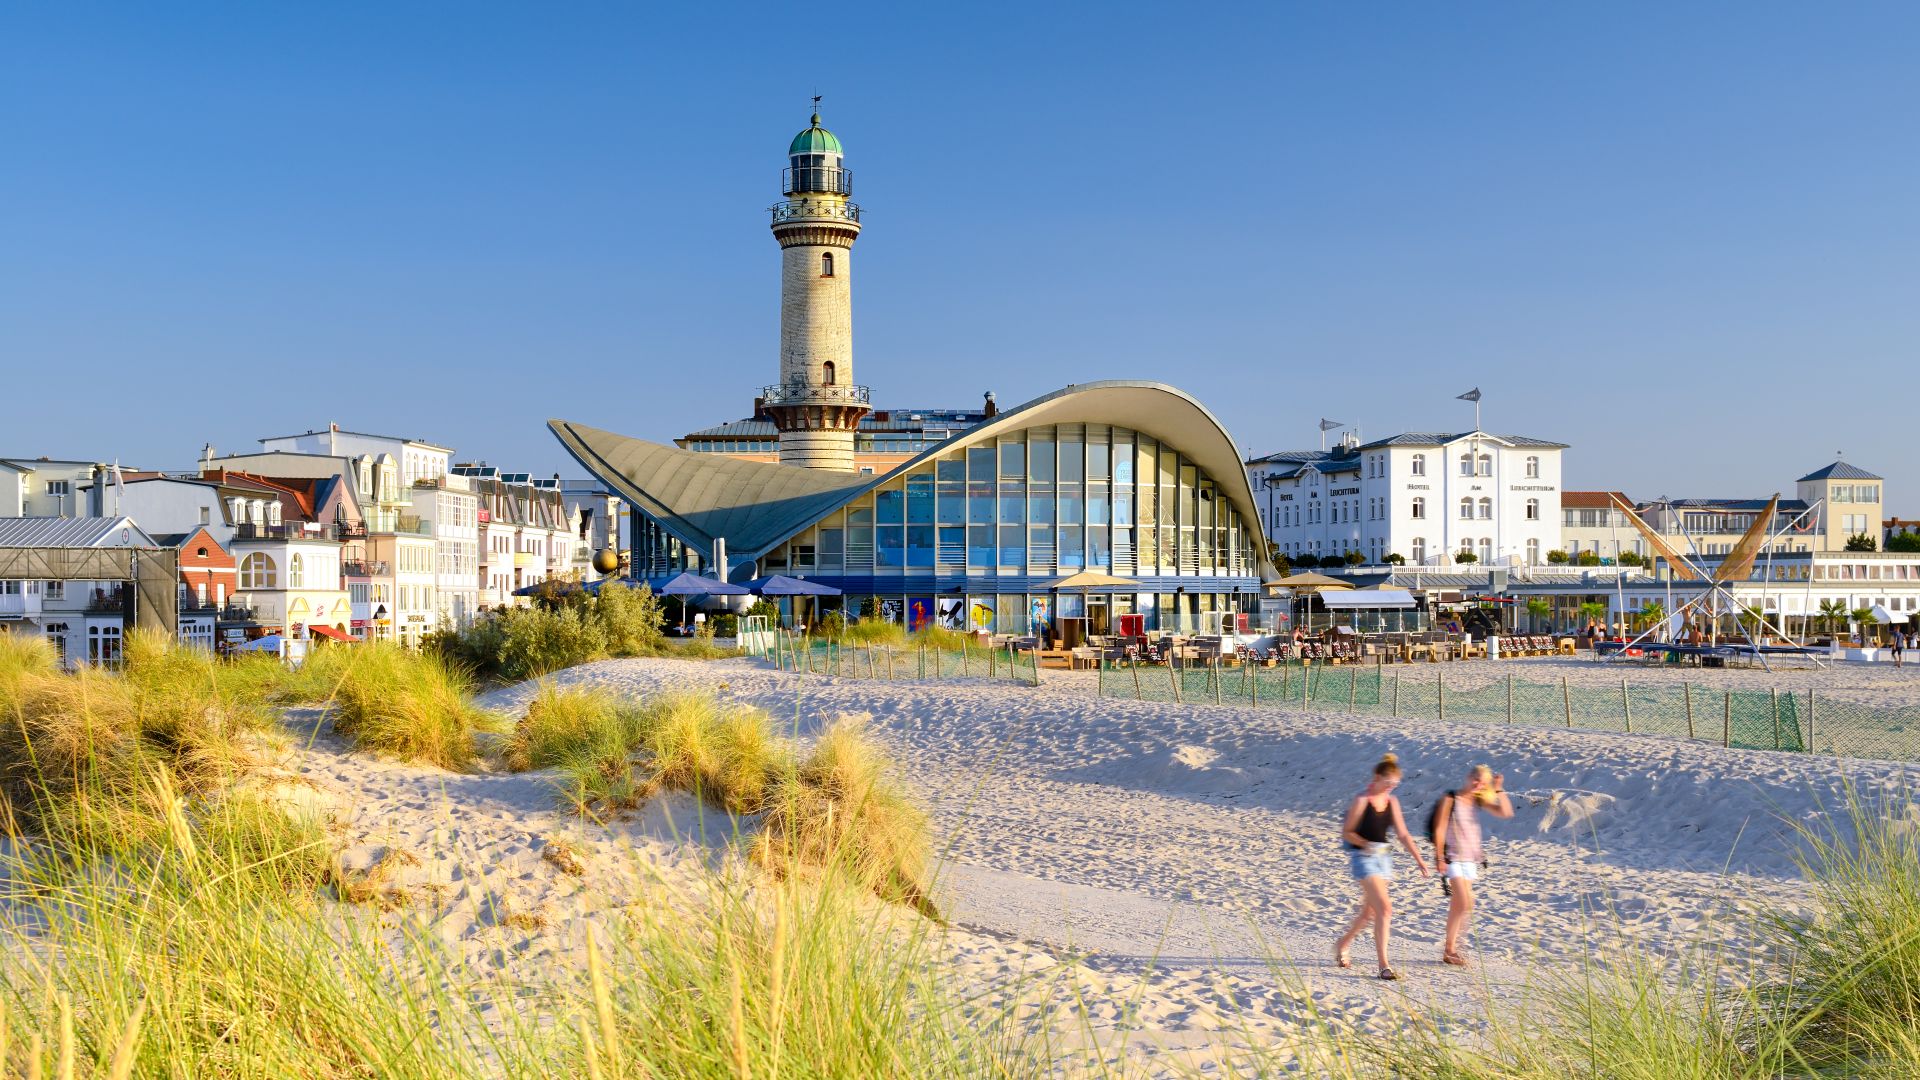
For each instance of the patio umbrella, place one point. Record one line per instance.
(1307, 581)
(688, 584)
(1087, 581)
(261, 644)
(782, 585)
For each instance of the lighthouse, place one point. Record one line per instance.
(816, 405)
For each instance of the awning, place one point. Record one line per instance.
(782, 585)
(330, 632)
(1881, 615)
(1367, 599)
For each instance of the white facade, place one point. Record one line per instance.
(293, 583)
(83, 620)
(31, 487)
(446, 504)
(1425, 498)
(416, 460)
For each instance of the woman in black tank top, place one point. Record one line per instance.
(1373, 816)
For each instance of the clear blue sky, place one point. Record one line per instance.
(1683, 238)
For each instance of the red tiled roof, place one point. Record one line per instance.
(1591, 500)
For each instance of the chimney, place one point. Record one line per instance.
(97, 492)
(992, 408)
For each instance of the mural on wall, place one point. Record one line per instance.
(919, 613)
(952, 614)
(890, 610)
(1038, 608)
(982, 615)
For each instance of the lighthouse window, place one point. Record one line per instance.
(826, 369)
(826, 264)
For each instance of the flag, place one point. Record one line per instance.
(1471, 395)
(119, 486)
(1329, 425)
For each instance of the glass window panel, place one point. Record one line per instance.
(1013, 459)
(1123, 457)
(1040, 451)
(1013, 545)
(980, 545)
(1099, 459)
(889, 506)
(1073, 459)
(832, 545)
(920, 499)
(889, 546)
(1098, 552)
(951, 468)
(919, 545)
(1072, 505)
(1097, 506)
(1072, 547)
(1013, 503)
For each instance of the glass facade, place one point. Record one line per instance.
(983, 523)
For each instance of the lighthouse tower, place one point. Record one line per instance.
(816, 405)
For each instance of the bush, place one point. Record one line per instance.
(1861, 542)
(631, 619)
(1556, 557)
(1353, 558)
(1587, 558)
(1328, 562)
(1631, 558)
(724, 624)
(1396, 559)
(1465, 558)
(536, 642)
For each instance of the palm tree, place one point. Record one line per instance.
(1832, 611)
(1862, 616)
(1538, 610)
(1594, 612)
(1651, 613)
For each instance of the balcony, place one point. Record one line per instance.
(236, 613)
(429, 482)
(107, 603)
(812, 210)
(802, 394)
(365, 568)
(247, 530)
(191, 604)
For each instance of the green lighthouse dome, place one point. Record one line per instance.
(815, 140)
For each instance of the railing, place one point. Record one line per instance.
(111, 602)
(236, 613)
(193, 605)
(802, 394)
(247, 530)
(428, 482)
(808, 209)
(364, 568)
(826, 179)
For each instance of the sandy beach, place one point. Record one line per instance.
(1170, 873)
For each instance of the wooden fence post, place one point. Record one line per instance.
(1396, 695)
(1173, 675)
(966, 663)
(1440, 688)
(1509, 699)
(1626, 706)
(1353, 689)
(1216, 680)
(1726, 722)
(1811, 729)
(1136, 680)
(1688, 689)
(1566, 699)
(1776, 718)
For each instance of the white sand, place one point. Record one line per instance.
(1160, 859)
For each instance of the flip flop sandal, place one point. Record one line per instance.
(1453, 958)
(1389, 974)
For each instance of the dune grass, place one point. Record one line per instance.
(83, 751)
(395, 702)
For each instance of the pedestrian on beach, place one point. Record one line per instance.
(1373, 815)
(1899, 642)
(1457, 849)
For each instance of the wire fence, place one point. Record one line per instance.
(1753, 719)
(913, 662)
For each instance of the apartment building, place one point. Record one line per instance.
(1430, 498)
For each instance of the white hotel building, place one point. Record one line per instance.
(1422, 496)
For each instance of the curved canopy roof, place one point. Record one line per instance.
(700, 497)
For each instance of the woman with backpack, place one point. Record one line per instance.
(1373, 815)
(1457, 850)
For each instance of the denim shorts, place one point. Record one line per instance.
(1375, 861)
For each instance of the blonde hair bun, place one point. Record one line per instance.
(1389, 759)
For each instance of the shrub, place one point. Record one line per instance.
(1587, 558)
(1465, 558)
(1861, 542)
(1631, 558)
(1353, 558)
(727, 754)
(1396, 559)
(563, 727)
(631, 619)
(1557, 557)
(536, 641)
(1328, 562)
